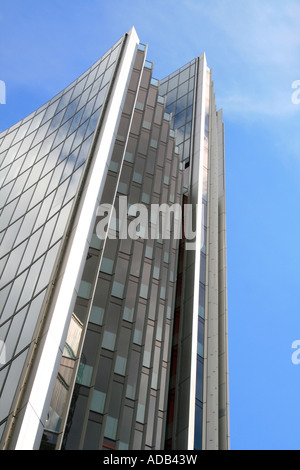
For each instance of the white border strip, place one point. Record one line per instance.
(199, 147)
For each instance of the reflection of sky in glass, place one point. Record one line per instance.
(178, 91)
(42, 159)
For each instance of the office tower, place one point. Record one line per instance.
(113, 263)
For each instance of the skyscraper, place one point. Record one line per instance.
(113, 263)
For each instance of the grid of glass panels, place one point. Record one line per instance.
(42, 160)
(120, 396)
(89, 305)
(178, 89)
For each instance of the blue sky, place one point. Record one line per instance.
(253, 48)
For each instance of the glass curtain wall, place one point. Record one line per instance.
(42, 161)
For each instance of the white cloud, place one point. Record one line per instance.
(274, 104)
(259, 56)
(259, 31)
(264, 33)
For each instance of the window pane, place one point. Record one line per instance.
(98, 401)
(92, 436)
(111, 428)
(84, 375)
(96, 315)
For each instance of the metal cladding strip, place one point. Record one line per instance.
(196, 189)
(212, 338)
(224, 437)
(48, 355)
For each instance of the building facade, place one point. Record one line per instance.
(113, 321)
